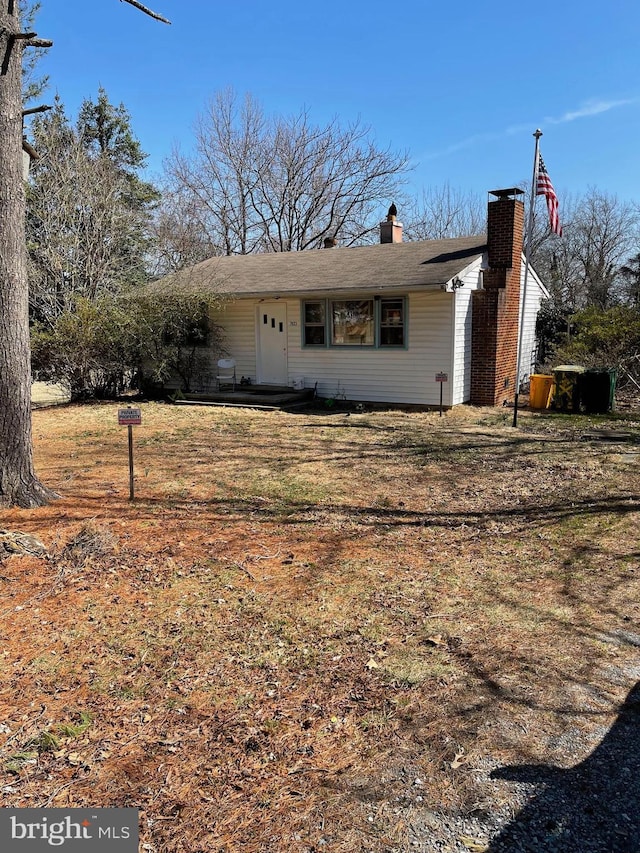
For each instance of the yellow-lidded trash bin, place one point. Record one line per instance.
(540, 388)
(566, 397)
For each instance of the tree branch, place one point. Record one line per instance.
(36, 42)
(29, 39)
(146, 11)
(41, 109)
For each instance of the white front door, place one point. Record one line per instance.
(272, 343)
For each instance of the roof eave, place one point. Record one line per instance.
(335, 291)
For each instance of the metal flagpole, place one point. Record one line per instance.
(532, 202)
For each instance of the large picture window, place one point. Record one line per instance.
(379, 322)
(352, 323)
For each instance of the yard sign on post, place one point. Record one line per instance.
(441, 377)
(130, 417)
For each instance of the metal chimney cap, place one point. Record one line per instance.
(506, 193)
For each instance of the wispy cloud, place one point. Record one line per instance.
(591, 108)
(468, 142)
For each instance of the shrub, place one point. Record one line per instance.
(104, 347)
(605, 338)
(92, 349)
(179, 339)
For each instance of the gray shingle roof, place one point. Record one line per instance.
(390, 266)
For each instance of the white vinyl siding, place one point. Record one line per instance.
(461, 344)
(387, 374)
(238, 319)
(534, 296)
(461, 379)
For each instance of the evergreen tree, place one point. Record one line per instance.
(88, 209)
(105, 131)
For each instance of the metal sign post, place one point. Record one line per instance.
(130, 417)
(130, 431)
(441, 378)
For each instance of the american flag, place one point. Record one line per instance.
(545, 187)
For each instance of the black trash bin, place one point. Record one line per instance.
(597, 390)
(566, 396)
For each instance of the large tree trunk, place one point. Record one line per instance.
(19, 485)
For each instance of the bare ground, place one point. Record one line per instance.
(316, 631)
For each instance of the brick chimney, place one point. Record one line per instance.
(495, 308)
(390, 228)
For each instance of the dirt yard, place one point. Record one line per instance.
(318, 631)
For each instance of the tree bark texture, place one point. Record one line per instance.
(19, 485)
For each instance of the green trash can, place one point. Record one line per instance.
(597, 390)
(566, 397)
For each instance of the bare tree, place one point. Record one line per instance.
(444, 211)
(583, 267)
(180, 233)
(215, 185)
(18, 482)
(607, 230)
(282, 184)
(630, 273)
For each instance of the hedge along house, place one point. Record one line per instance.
(377, 323)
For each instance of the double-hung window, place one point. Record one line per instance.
(314, 323)
(392, 323)
(378, 322)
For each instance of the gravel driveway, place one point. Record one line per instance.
(588, 803)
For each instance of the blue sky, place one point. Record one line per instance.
(461, 86)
